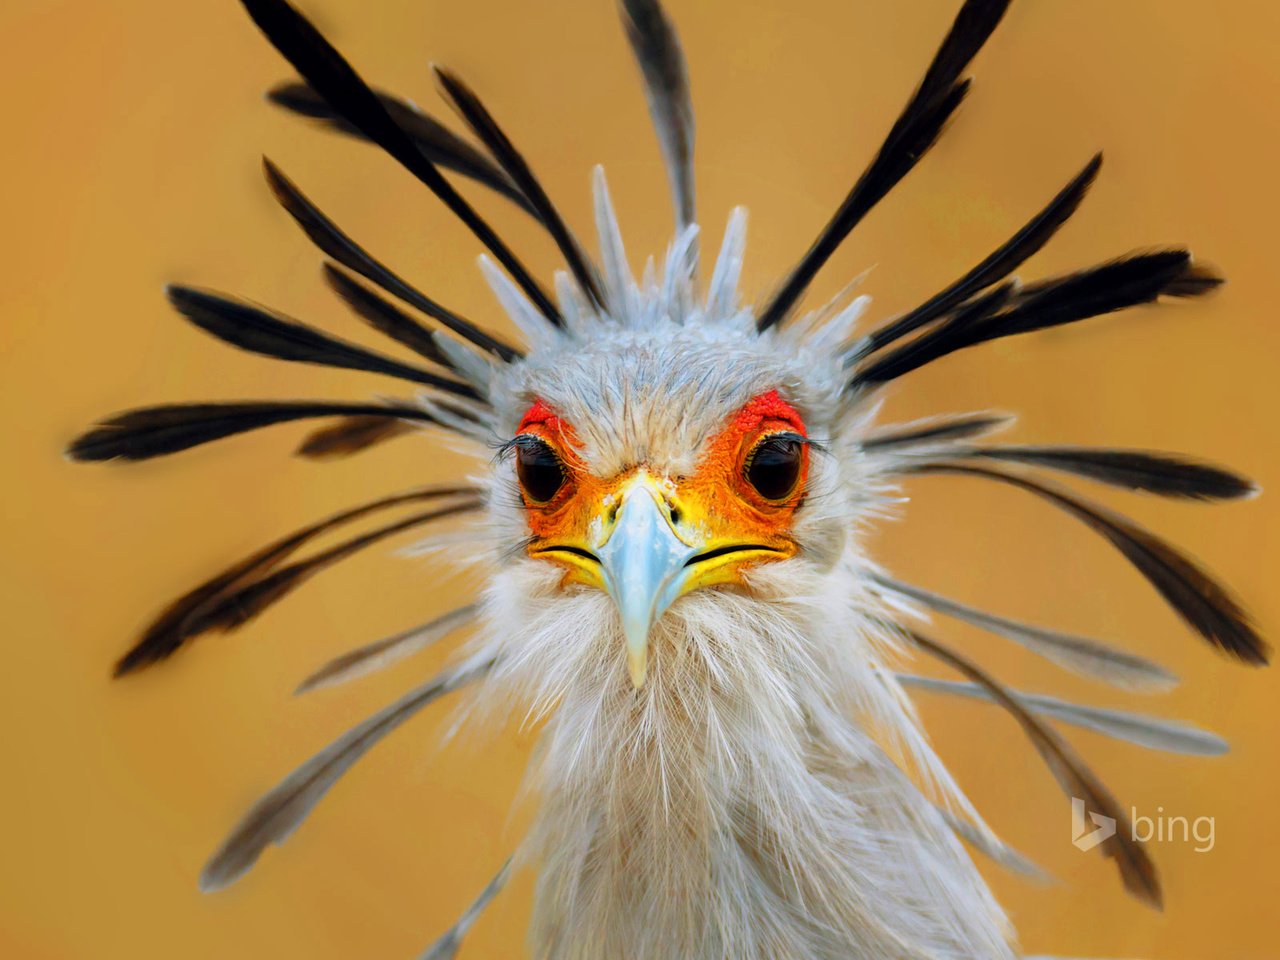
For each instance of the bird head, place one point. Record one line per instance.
(653, 463)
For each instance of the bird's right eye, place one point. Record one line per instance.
(538, 467)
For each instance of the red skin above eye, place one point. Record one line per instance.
(767, 406)
(544, 422)
(755, 415)
(538, 413)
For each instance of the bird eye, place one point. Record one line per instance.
(773, 467)
(540, 471)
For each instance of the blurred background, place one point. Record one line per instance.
(134, 131)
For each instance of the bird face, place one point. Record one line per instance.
(647, 536)
(652, 463)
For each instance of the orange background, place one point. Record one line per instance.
(133, 131)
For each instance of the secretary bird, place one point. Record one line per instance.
(672, 538)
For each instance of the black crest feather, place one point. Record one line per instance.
(942, 430)
(469, 107)
(1165, 474)
(249, 586)
(351, 435)
(1126, 282)
(910, 138)
(169, 428)
(325, 234)
(436, 141)
(259, 331)
(938, 342)
(169, 630)
(337, 82)
(666, 79)
(999, 264)
(384, 316)
(1202, 602)
(241, 604)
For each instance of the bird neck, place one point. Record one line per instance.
(726, 810)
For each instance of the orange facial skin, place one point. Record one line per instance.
(714, 509)
(720, 485)
(566, 515)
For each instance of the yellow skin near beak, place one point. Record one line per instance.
(648, 542)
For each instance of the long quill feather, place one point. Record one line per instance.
(337, 82)
(1073, 775)
(1202, 602)
(273, 818)
(1154, 733)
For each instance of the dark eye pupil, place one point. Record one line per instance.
(539, 469)
(774, 467)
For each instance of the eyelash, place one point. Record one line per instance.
(791, 436)
(507, 448)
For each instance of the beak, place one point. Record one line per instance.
(645, 568)
(631, 545)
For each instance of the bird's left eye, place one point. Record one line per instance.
(539, 468)
(773, 467)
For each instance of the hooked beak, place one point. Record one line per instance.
(643, 552)
(644, 566)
